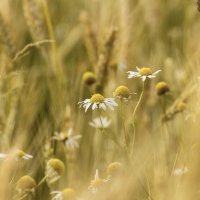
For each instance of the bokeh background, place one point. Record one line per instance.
(46, 46)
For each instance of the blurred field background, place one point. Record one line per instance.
(46, 46)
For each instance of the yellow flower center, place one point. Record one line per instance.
(122, 91)
(57, 165)
(25, 183)
(97, 98)
(162, 88)
(68, 194)
(145, 71)
(89, 78)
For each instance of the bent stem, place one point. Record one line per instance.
(42, 181)
(134, 112)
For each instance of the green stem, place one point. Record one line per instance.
(42, 181)
(134, 112)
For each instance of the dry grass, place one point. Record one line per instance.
(46, 46)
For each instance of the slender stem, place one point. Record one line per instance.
(42, 181)
(134, 112)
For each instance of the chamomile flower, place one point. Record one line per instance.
(54, 170)
(98, 101)
(97, 183)
(26, 185)
(122, 92)
(70, 139)
(66, 194)
(19, 154)
(143, 73)
(99, 122)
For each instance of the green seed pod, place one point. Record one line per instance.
(122, 92)
(89, 78)
(57, 165)
(162, 88)
(25, 183)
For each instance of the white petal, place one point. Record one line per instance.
(151, 76)
(110, 106)
(144, 78)
(96, 177)
(102, 105)
(70, 132)
(76, 137)
(138, 69)
(94, 106)
(132, 74)
(87, 106)
(69, 144)
(111, 101)
(28, 156)
(158, 71)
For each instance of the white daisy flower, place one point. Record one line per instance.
(19, 154)
(180, 171)
(97, 183)
(70, 139)
(97, 101)
(143, 73)
(99, 122)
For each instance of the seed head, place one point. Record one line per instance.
(97, 98)
(89, 78)
(57, 165)
(180, 106)
(25, 183)
(162, 88)
(145, 71)
(122, 92)
(68, 194)
(114, 169)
